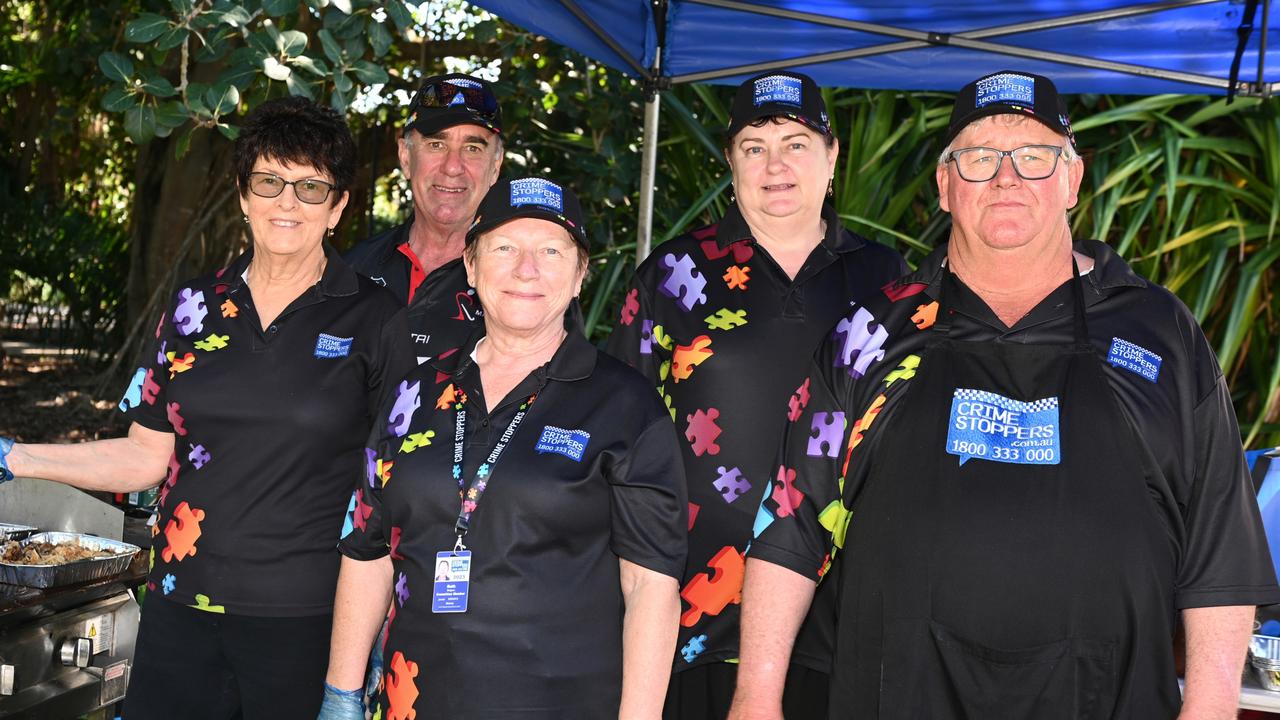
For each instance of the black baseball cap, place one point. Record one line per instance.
(788, 94)
(455, 99)
(1010, 91)
(529, 197)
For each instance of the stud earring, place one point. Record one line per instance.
(245, 218)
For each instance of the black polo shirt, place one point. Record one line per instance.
(591, 474)
(726, 336)
(443, 311)
(1160, 367)
(269, 426)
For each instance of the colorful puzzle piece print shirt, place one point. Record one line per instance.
(268, 425)
(591, 474)
(443, 310)
(726, 337)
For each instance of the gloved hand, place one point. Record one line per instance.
(6, 444)
(341, 704)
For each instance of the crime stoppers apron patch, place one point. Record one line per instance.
(992, 427)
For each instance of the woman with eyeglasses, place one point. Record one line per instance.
(251, 412)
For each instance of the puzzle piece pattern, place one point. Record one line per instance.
(447, 398)
(703, 431)
(731, 483)
(199, 456)
(190, 312)
(370, 466)
(229, 309)
(798, 402)
(905, 371)
(646, 337)
(741, 249)
(384, 470)
(859, 427)
(169, 480)
(181, 533)
(180, 364)
(133, 395)
(203, 603)
(417, 440)
(396, 534)
(402, 691)
(686, 357)
(861, 342)
(709, 593)
(213, 342)
(682, 282)
(402, 589)
(406, 404)
(725, 320)
(150, 388)
(736, 277)
(785, 494)
(896, 290)
(826, 432)
(926, 315)
(348, 521)
(169, 583)
(362, 512)
(630, 307)
(162, 355)
(694, 648)
(693, 514)
(174, 412)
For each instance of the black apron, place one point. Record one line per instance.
(995, 589)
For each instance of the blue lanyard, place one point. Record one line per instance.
(470, 493)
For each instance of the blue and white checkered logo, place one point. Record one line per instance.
(1008, 88)
(1135, 359)
(992, 427)
(537, 191)
(328, 346)
(777, 89)
(570, 443)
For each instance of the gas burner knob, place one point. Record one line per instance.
(76, 652)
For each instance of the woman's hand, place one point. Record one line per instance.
(136, 462)
(649, 628)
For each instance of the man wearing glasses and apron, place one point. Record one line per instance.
(1025, 456)
(451, 153)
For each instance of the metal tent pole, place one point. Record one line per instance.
(654, 84)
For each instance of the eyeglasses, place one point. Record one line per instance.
(1030, 162)
(443, 94)
(310, 191)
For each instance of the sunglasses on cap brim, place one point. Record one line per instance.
(442, 95)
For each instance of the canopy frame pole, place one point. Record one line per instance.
(653, 87)
(1264, 89)
(968, 39)
(605, 37)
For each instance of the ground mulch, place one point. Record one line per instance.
(54, 398)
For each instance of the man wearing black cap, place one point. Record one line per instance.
(723, 320)
(451, 153)
(1036, 469)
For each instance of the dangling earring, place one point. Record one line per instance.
(831, 187)
(245, 218)
(330, 233)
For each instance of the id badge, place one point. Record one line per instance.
(452, 581)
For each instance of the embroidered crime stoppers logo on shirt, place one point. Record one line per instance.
(992, 427)
(1137, 360)
(570, 443)
(1006, 87)
(777, 89)
(537, 191)
(328, 346)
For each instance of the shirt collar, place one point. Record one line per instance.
(575, 359)
(733, 228)
(337, 280)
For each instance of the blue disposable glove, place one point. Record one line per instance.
(341, 704)
(6, 444)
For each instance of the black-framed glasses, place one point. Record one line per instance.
(443, 94)
(1030, 162)
(310, 190)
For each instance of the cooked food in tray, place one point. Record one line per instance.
(46, 553)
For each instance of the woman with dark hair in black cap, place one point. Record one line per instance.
(724, 320)
(546, 476)
(250, 408)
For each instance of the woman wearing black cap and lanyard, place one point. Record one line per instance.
(546, 475)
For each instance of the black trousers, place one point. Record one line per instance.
(197, 665)
(705, 693)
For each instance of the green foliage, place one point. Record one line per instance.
(243, 53)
